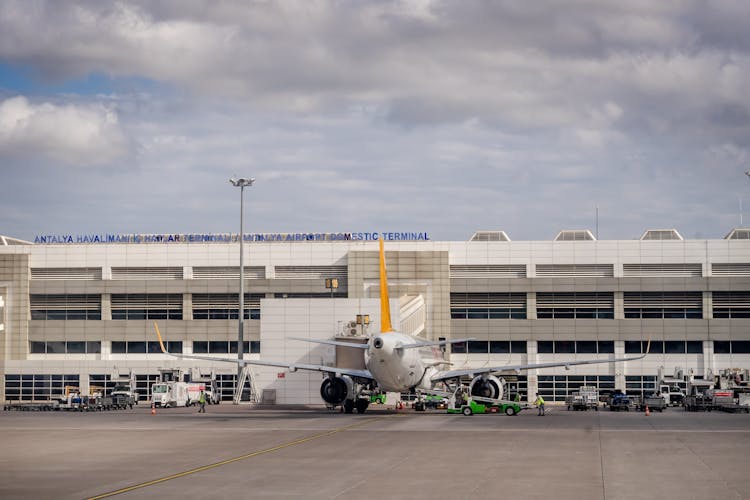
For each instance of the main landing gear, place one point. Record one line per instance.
(360, 405)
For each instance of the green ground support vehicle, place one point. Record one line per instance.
(471, 407)
(378, 399)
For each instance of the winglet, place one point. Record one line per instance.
(385, 305)
(161, 342)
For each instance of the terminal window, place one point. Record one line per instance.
(146, 306)
(663, 305)
(65, 307)
(575, 347)
(731, 304)
(731, 346)
(225, 305)
(488, 306)
(224, 346)
(65, 347)
(664, 347)
(492, 347)
(575, 305)
(151, 346)
(38, 387)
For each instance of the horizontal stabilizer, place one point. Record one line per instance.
(332, 342)
(431, 343)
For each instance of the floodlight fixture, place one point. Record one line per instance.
(241, 182)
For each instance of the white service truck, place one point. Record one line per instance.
(169, 394)
(173, 394)
(672, 394)
(123, 395)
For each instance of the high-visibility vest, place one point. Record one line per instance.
(202, 398)
(539, 400)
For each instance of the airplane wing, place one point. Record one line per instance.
(281, 364)
(445, 375)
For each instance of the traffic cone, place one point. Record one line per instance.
(153, 409)
(648, 413)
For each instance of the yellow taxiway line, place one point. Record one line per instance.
(235, 459)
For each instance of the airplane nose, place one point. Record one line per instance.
(377, 343)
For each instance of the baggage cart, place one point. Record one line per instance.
(698, 403)
(583, 399)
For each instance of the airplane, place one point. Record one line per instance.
(396, 362)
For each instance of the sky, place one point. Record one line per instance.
(443, 117)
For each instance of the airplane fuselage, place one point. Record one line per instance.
(399, 370)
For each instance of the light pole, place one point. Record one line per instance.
(747, 173)
(242, 184)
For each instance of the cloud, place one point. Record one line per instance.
(667, 66)
(434, 115)
(72, 134)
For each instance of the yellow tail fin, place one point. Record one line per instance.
(158, 334)
(385, 305)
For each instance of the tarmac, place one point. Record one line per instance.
(311, 453)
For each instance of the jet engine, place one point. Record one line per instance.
(336, 390)
(487, 386)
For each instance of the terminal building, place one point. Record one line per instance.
(79, 310)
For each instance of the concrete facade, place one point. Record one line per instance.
(287, 281)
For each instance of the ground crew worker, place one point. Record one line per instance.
(517, 399)
(540, 405)
(202, 402)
